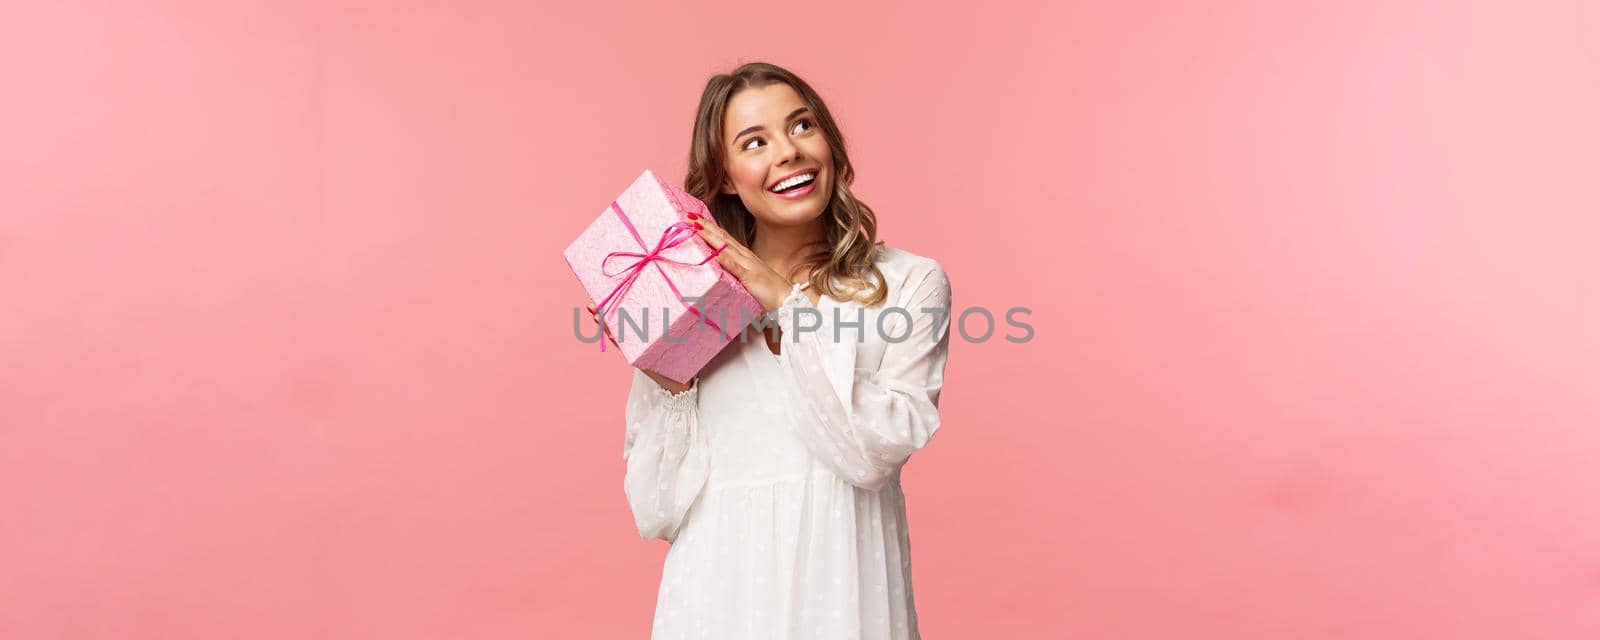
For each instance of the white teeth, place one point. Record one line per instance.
(797, 180)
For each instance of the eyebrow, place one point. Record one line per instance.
(758, 127)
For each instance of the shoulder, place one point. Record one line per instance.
(907, 272)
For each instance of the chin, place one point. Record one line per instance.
(796, 214)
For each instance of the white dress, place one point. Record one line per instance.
(776, 478)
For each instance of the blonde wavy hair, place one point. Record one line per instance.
(842, 261)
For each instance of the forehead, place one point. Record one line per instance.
(767, 105)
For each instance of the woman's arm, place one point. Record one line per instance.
(667, 453)
(893, 411)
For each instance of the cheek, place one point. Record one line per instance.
(818, 148)
(748, 175)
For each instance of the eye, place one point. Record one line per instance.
(808, 126)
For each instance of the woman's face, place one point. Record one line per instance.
(778, 161)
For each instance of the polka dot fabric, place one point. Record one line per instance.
(780, 496)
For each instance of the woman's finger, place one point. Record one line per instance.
(703, 219)
(734, 263)
(596, 317)
(709, 229)
(706, 230)
(734, 258)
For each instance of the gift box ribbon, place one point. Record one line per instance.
(679, 233)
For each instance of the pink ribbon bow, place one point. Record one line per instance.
(679, 233)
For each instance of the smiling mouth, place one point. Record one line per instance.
(794, 183)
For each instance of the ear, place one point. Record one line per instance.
(727, 187)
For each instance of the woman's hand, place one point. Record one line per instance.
(665, 382)
(767, 286)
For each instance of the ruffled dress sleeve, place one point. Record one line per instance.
(668, 456)
(894, 410)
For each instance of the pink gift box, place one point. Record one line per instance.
(679, 336)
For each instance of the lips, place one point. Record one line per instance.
(797, 193)
(792, 180)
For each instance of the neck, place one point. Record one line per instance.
(781, 247)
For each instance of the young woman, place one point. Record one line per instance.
(775, 473)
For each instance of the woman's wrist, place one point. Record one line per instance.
(772, 294)
(775, 301)
(667, 384)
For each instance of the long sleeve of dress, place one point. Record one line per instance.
(894, 410)
(668, 456)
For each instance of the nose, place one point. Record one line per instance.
(787, 151)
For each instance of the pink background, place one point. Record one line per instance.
(286, 345)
